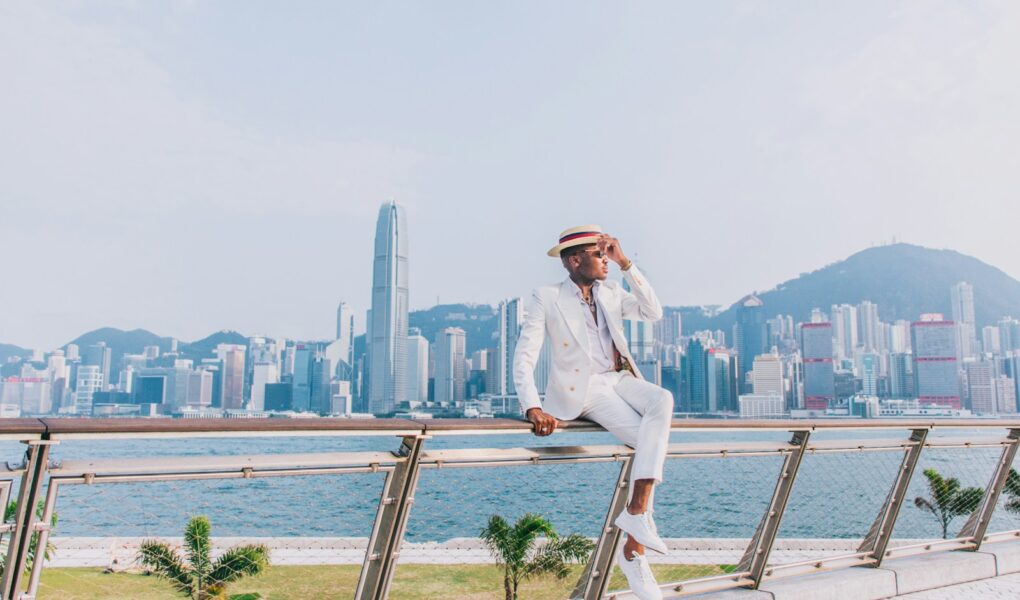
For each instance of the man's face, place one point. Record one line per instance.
(590, 262)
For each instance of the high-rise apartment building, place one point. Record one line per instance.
(936, 379)
(1005, 394)
(451, 376)
(990, 343)
(387, 346)
(962, 299)
(511, 319)
(819, 375)
(844, 330)
(1009, 334)
(869, 327)
(981, 387)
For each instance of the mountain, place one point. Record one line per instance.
(120, 341)
(9, 350)
(479, 322)
(902, 279)
(206, 347)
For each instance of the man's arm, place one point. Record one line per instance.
(641, 303)
(529, 346)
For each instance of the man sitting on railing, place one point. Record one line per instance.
(593, 376)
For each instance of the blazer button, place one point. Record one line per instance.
(577, 370)
(565, 344)
(571, 388)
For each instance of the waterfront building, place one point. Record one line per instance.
(1005, 394)
(99, 355)
(451, 376)
(199, 387)
(962, 302)
(981, 387)
(749, 335)
(90, 381)
(511, 319)
(696, 364)
(767, 375)
(320, 393)
(387, 344)
(417, 368)
(819, 378)
(301, 378)
(263, 375)
(232, 358)
(762, 406)
(279, 396)
(721, 380)
(936, 377)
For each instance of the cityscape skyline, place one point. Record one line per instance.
(709, 123)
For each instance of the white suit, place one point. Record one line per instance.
(636, 411)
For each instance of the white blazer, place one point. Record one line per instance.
(555, 312)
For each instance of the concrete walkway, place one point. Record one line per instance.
(996, 588)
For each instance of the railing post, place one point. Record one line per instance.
(391, 521)
(44, 538)
(36, 457)
(977, 524)
(595, 577)
(878, 537)
(757, 554)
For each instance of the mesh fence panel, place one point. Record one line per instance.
(307, 529)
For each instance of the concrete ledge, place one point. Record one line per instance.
(736, 594)
(855, 582)
(931, 571)
(1007, 556)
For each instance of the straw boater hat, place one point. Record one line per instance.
(576, 236)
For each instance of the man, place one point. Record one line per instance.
(593, 376)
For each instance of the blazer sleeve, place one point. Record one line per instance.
(640, 303)
(529, 345)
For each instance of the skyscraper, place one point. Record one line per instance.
(341, 351)
(819, 377)
(511, 318)
(451, 376)
(844, 322)
(767, 375)
(417, 368)
(99, 355)
(232, 356)
(696, 364)
(962, 297)
(936, 380)
(387, 350)
(868, 327)
(981, 387)
(750, 335)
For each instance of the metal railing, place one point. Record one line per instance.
(820, 480)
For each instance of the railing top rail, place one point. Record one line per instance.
(140, 427)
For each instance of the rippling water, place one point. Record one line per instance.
(836, 495)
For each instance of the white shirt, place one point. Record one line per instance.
(600, 341)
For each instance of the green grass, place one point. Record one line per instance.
(412, 582)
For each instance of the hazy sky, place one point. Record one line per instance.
(192, 166)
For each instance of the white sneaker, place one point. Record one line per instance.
(642, 528)
(639, 576)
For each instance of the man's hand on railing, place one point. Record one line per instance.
(544, 422)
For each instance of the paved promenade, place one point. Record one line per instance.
(996, 588)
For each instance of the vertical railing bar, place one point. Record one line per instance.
(391, 522)
(5, 498)
(595, 578)
(44, 536)
(757, 554)
(878, 537)
(36, 457)
(977, 524)
(368, 564)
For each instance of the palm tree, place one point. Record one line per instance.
(200, 577)
(9, 512)
(946, 500)
(1013, 489)
(515, 551)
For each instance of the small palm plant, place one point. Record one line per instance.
(1013, 489)
(515, 550)
(201, 577)
(946, 500)
(9, 512)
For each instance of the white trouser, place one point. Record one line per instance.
(638, 413)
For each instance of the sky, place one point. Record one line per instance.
(188, 167)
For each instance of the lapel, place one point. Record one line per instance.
(570, 310)
(611, 308)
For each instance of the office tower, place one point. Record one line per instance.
(767, 375)
(990, 343)
(215, 367)
(819, 376)
(199, 388)
(981, 387)
(672, 381)
(511, 318)
(264, 374)
(341, 351)
(749, 334)
(869, 372)
(417, 368)
(232, 357)
(387, 346)
(1005, 394)
(936, 380)
(962, 298)
(450, 373)
(721, 380)
(261, 351)
(844, 330)
(321, 394)
(301, 378)
(90, 381)
(479, 362)
(278, 396)
(640, 336)
(99, 355)
(696, 363)
(868, 326)
(762, 406)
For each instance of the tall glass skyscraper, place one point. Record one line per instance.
(387, 350)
